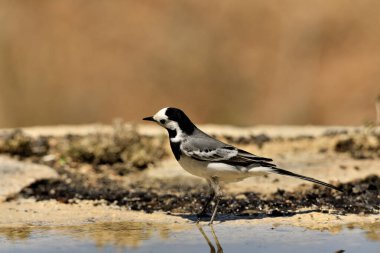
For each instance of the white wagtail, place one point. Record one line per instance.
(216, 161)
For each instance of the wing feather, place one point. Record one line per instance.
(211, 150)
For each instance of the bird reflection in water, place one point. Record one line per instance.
(212, 248)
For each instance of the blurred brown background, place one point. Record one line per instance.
(236, 62)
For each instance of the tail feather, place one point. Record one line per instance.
(288, 173)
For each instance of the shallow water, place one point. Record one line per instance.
(142, 237)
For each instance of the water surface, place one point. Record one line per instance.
(142, 237)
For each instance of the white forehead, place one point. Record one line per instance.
(161, 114)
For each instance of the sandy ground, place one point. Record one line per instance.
(17, 175)
(300, 156)
(27, 212)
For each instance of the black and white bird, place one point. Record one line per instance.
(203, 156)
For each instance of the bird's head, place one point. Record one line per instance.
(173, 119)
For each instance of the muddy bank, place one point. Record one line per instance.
(123, 167)
(358, 197)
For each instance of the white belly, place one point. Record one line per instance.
(223, 172)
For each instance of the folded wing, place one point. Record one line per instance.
(211, 150)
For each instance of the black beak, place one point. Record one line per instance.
(149, 118)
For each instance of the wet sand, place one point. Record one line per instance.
(27, 212)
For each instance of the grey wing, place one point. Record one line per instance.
(208, 149)
(205, 148)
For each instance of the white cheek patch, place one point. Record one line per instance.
(174, 126)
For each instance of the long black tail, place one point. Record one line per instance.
(291, 174)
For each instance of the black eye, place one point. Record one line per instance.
(162, 121)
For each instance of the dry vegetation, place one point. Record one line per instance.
(120, 152)
(282, 62)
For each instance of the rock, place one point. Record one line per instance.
(16, 175)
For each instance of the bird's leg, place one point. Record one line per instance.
(215, 185)
(212, 248)
(209, 199)
(204, 208)
(220, 249)
(214, 212)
